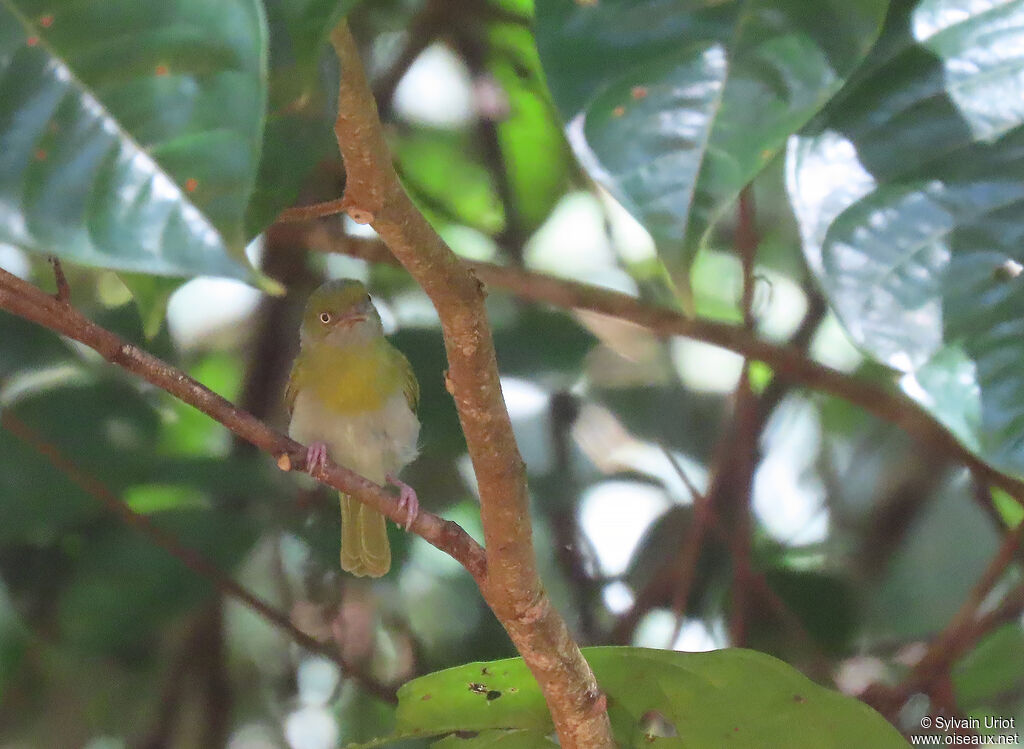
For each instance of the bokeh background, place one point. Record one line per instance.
(861, 543)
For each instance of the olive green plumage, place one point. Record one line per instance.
(355, 394)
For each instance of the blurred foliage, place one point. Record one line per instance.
(155, 141)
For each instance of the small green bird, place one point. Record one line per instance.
(353, 396)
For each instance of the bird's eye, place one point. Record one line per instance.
(325, 317)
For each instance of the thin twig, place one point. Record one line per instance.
(307, 212)
(188, 556)
(63, 290)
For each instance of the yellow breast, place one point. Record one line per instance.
(350, 379)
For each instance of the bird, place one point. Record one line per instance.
(352, 397)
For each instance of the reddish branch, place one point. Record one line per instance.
(512, 587)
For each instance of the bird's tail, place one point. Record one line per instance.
(365, 550)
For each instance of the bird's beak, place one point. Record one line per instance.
(347, 321)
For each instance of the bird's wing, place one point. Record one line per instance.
(291, 390)
(410, 385)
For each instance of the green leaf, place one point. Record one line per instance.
(130, 131)
(534, 151)
(675, 105)
(908, 194)
(300, 117)
(739, 697)
(151, 295)
(439, 169)
(519, 739)
(992, 670)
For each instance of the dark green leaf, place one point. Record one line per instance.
(824, 603)
(300, 113)
(130, 131)
(675, 105)
(541, 341)
(27, 346)
(908, 193)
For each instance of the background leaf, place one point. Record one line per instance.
(93, 168)
(908, 194)
(301, 107)
(676, 106)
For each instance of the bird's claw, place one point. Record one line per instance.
(316, 456)
(407, 500)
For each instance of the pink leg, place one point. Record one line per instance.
(407, 499)
(316, 456)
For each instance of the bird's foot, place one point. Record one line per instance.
(407, 499)
(316, 456)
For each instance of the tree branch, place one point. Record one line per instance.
(25, 300)
(512, 588)
(787, 361)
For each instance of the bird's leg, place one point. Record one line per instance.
(407, 499)
(316, 455)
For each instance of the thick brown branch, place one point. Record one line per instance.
(373, 194)
(787, 361)
(188, 556)
(25, 300)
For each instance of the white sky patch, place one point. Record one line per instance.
(469, 243)
(523, 399)
(413, 310)
(832, 347)
(630, 238)
(358, 230)
(789, 500)
(317, 679)
(697, 637)
(205, 306)
(437, 90)
(657, 627)
(618, 597)
(779, 304)
(573, 242)
(706, 368)
(311, 728)
(614, 515)
(14, 261)
(528, 408)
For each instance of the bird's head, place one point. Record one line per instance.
(340, 313)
